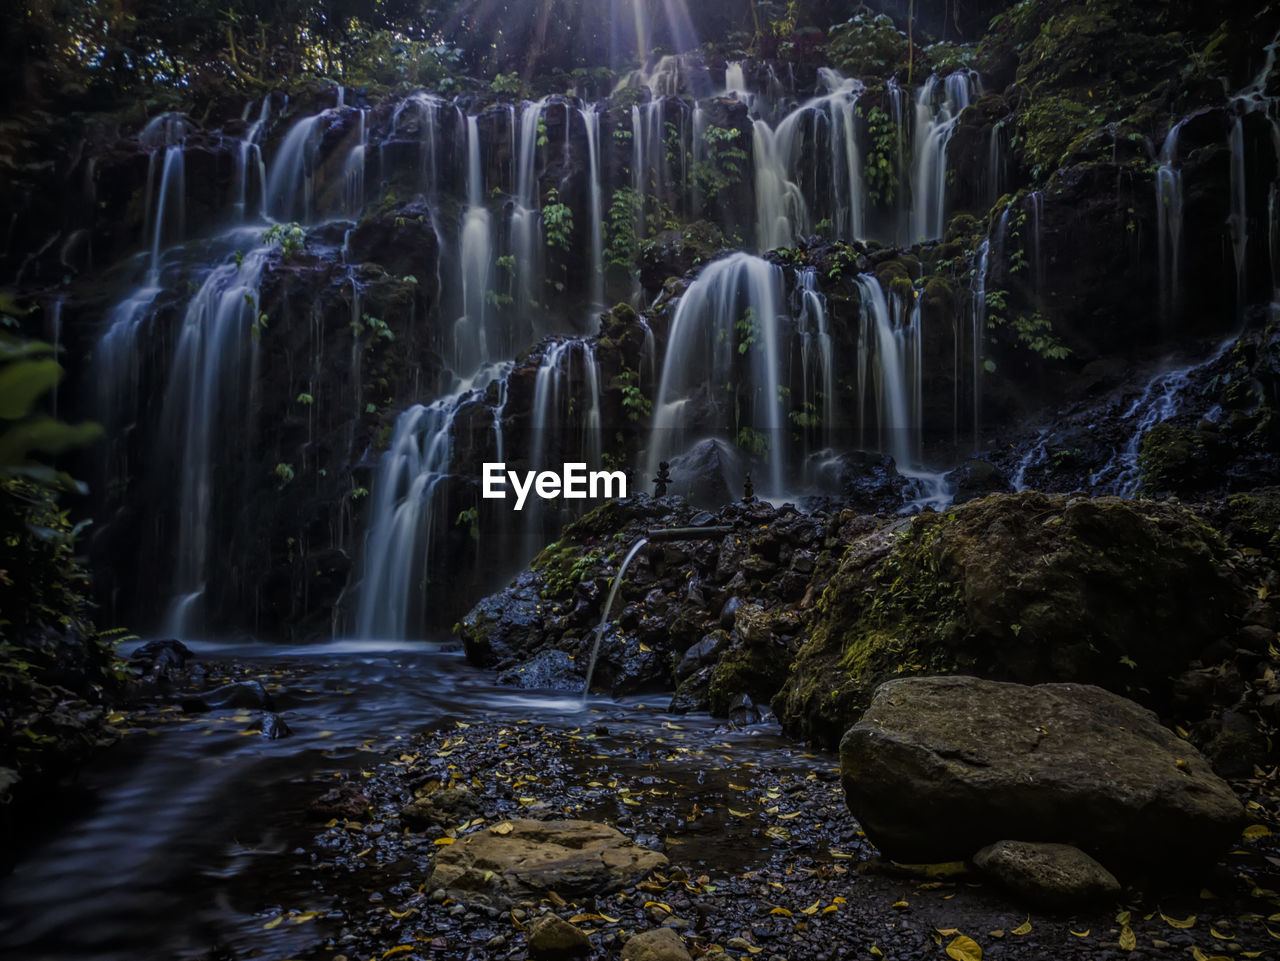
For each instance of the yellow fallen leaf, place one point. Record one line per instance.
(778, 834)
(964, 948)
(997, 934)
(506, 827)
(812, 909)
(1128, 941)
(1124, 917)
(947, 932)
(442, 842)
(901, 905)
(1257, 831)
(1079, 934)
(781, 911)
(1198, 955)
(658, 904)
(273, 924)
(830, 907)
(838, 900)
(304, 916)
(401, 914)
(740, 814)
(1187, 922)
(737, 787)
(1220, 935)
(788, 817)
(839, 855)
(398, 949)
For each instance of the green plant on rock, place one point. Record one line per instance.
(470, 519)
(724, 163)
(880, 169)
(624, 212)
(505, 85)
(557, 221)
(634, 402)
(284, 474)
(754, 442)
(291, 238)
(747, 329)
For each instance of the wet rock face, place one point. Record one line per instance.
(1053, 762)
(679, 615)
(997, 588)
(572, 858)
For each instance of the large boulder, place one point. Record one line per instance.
(940, 767)
(1021, 587)
(523, 860)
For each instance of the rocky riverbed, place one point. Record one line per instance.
(764, 858)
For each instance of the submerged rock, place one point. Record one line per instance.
(1052, 875)
(940, 767)
(524, 860)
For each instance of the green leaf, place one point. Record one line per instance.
(22, 383)
(44, 435)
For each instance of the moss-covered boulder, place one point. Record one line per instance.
(1025, 587)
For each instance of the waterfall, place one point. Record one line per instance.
(164, 214)
(250, 152)
(471, 346)
(427, 108)
(1254, 99)
(353, 171)
(724, 333)
(399, 545)
(206, 390)
(938, 108)
(782, 211)
(1161, 399)
(591, 121)
(1036, 200)
(817, 360)
(978, 295)
(289, 183)
(1169, 221)
(526, 218)
(888, 371)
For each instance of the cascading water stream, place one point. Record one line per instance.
(817, 360)
(166, 136)
(289, 182)
(734, 301)
(608, 608)
(471, 347)
(938, 108)
(1169, 223)
(249, 158)
(591, 122)
(782, 211)
(207, 382)
(1161, 399)
(399, 545)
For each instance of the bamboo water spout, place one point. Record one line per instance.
(653, 535)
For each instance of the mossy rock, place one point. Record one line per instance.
(1024, 587)
(1176, 459)
(1253, 520)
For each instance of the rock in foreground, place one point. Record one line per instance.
(1052, 875)
(940, 767)
(532, 858)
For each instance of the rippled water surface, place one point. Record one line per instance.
(187, 828)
